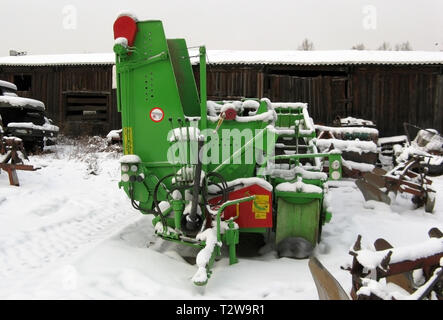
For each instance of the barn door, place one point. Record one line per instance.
(340, 98)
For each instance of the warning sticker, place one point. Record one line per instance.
(128, 143)
(157, 115)
(260, 206)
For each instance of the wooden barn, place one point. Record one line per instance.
(388, 87)
(77, 89)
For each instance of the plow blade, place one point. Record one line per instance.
(372, 192)
(328, 287)
(375, 179)
(403, 280)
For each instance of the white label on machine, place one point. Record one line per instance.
(157, 115)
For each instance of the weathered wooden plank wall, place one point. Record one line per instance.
(388, 95)
(51, 84)
(232, 83)
(392, 95)
(325, 95)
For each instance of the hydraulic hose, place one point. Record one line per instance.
(196, 190)
(137, 206)
(156, 203)
(223, 187)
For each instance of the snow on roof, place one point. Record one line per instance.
(294, 57)
(336, 57)
(59, 59)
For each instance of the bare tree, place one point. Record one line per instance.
(385, 46)
(359, 46)
(306, 45)
(404, 46)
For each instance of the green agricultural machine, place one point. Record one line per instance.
(209, 170)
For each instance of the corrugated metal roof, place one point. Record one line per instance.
(342, 57)
(59, 60)
(231, 57)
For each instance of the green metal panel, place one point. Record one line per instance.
(184, 77)
(229, 169)
(148, 81)
(253, 230)
(298, 220)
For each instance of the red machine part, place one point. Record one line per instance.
(230, 114)
(125, 27)
(251, 214)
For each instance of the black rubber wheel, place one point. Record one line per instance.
(34, 146)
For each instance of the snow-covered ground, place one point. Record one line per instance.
(69, 232)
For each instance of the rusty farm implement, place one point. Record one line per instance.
(407, 177)
(12, 155)
(412, 272)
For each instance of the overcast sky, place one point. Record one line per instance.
(78, 26)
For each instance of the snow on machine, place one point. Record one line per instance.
(210, 171)
(409, 164)
(413, 272)
(24, 118)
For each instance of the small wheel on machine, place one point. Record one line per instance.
(295, 248)
(189, 227)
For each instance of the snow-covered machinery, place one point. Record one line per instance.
(207, 170)
(407, 177)
(409, 163)
(25, 118)
(356, 139)
(427, 143)
(414, 272)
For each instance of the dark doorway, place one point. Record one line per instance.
(23, 82)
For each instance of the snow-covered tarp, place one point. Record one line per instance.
(349, 130)
(19, 102)
(351, 121)
(392, 140)
(30, 125)
(9, 85)
(346, 145)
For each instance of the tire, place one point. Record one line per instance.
(435, 170)
(34, 146)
